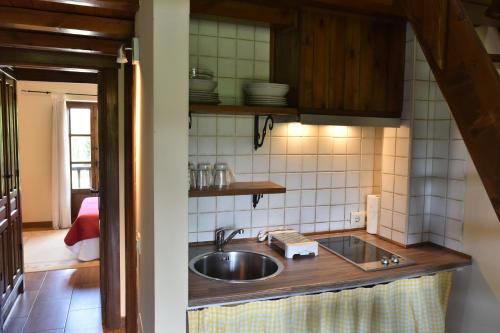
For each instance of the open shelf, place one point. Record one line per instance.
(243, 110)
(241, 188)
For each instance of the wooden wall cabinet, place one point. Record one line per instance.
(11, 248)
(341, 64)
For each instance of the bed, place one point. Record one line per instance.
(83, 236)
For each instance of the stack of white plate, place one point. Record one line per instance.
(201, 90)
(264, 93)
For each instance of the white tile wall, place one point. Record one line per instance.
(236, 53)
(324, 184)
(438, 157)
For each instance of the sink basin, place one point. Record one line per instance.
(236, 266)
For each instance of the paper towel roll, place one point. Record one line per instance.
(372, 213)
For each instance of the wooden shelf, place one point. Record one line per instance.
(240, 188)
(243, 110)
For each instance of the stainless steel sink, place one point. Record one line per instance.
(236, 266)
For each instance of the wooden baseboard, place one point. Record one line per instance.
(38, 225)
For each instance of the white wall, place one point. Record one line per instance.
(35, 144)
(475, 298)
(163, 28)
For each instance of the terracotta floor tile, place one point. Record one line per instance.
(47, 315)
(85, 298)
(14, 324)
(23, 304)
(57, 285)
(33, 281)
(88, 321)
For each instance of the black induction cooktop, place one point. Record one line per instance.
(365, 255)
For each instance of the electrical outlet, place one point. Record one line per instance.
(358, 219)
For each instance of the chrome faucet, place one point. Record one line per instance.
(220, 242)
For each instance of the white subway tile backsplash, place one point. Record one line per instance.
(225, 219)
(292, 199)
(276, 217)
(294, 163)
(455, 209)
(325, 145)
(308, 180)
(323, 213)
(400, 203)
(305, 228)
(353, 162)
(339, 179)
(454, 229)
(398, 237)
(310, 163)
(402, 147)
(294, 145)
(353, 146)
(338, 196)
(307, 215)
(323, 197)
(337, 214)
(278, 163)
(352, 195)
(259, 218)
(339, 146)
(324, 180)
(325, 162)
(292, 215)
(294, 181)
(206, 222)
(308, 198)
(243, 164)
(243, 219)
(278, 145)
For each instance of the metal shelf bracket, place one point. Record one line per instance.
(255, 199)
(258, 139)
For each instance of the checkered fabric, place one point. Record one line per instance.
(405, 306)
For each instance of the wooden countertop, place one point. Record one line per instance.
(326, 272)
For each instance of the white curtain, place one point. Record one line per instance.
(61, 191)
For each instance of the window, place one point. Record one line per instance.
(84, 153)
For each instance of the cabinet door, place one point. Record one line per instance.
(13, 179)
(5, 284)
(345, 64)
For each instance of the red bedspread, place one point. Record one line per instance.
(86, 225)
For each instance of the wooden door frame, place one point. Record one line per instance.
(107, 80)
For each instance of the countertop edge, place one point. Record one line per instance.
(312, 289)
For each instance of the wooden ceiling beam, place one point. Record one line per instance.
(53, 42)
(46, 75)
(469, 82)
(104, 8)
(283, 12)
(63, 23)
(49, 59)
(246, 10)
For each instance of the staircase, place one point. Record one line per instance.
(467, 78)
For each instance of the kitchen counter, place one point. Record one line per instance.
(325, 272)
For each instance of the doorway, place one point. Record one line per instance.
(50, 202)
(107, 158)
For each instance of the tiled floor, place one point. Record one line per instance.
(58, 301)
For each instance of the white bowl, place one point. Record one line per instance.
(202, 85)
(267, 89)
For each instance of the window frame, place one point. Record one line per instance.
(94, 148)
